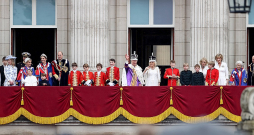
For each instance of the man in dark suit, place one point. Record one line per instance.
(22, 64)
(2, 70)
(251, 73)
(62, 68)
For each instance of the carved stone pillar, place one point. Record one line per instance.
(209, 29)
(89, 32)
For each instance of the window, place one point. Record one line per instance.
(150, 13)
(45, 12)
(33, 13)
(22, 12)
(250, 18)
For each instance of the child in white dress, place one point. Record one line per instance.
(30, 79)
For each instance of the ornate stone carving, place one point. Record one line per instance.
(247, 104)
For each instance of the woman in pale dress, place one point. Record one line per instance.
(152, 73)
(203, 66)
(223, 70)
(10, 71)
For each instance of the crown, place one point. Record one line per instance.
(44, 55)
(152, 58)
(134, 56)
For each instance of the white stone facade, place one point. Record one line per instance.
(92, 31)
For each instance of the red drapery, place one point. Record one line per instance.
(99, 105)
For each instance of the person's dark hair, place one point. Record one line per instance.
(99, 64)
(43, 74)
(172, 61)
(3, 59)
(30, 70)
(85, 65)
(74, 64)
(112, 60)
(197, 65)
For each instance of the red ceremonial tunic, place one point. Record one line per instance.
(212, 77)
(168, 73)
(75, 78)
(99, 80)
(87, 76)
(113, 74)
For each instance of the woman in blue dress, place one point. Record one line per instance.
(23, 71)
(239, 75)
(45, 67)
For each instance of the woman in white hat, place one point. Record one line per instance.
(23, 71)
(10, 71)
(152, 73)
(239, 76)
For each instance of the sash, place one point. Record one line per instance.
(42, 71)
(25, 71)
(54, 63)
(239, 77)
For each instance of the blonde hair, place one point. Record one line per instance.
(219, 56)
(211, 63)
(155, 63)
(185, 64)
(203, 59)
(85, 65)
(12, 62)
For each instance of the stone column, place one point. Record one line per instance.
(4, 28)
(89, 32)
(209, 30)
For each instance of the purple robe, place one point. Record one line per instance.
(129, 75)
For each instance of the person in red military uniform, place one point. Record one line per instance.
(172, 74)
(75, 77)
(99, 76)
(212, 75)
(88, 78)
(112, 74)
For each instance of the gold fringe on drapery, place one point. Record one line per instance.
(180, 116)
(11, 118)
(97, 120)
(114, 115)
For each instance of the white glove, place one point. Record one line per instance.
(88, 82)
(111, 84)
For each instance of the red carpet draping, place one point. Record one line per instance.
(99, 105)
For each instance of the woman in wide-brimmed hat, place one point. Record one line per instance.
(10, 71)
